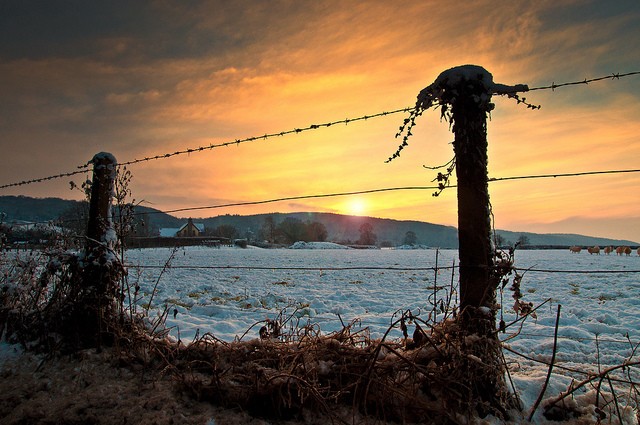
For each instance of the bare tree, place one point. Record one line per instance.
(410, 238)
(367, 237)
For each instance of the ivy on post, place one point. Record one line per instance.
(464, 95)
(101, 270)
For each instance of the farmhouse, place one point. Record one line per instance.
(188, 230)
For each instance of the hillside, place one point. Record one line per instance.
(562, 239)
(344, 228)
(340, 228)
(24, 208)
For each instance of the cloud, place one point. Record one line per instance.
(146, 78)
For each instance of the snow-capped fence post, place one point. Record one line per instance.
(104, 174)
(464, 95)
(469, 116)
(100, 271)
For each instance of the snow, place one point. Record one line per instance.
(104, 157)
(599, 322)
(455, 76)
(317, 245)
(9, 352)
(169, 232)
(230, 291)
(449, 82)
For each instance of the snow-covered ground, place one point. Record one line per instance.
(226, 291)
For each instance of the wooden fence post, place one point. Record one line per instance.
(104, 174)
(474, 223)
(464, 95)
(99, 277)
(468, 91)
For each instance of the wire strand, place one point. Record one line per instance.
(358, 192)
(293, 198)
(301, 268)
(266, 136)
(43, 179)
(554, 86)
(305, 268)
(84, 167)
(543, 176)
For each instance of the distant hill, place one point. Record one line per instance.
(340, 228)
(24, 208)
(346, 229)
(562, 239)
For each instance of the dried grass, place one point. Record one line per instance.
(444, 374)
(302, 374)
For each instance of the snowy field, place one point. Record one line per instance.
(226, 291)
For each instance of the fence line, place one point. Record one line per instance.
(553, 86)
(308, 268)
(582, 339)
(565, 368)
(364, 192)
(218, 145)
(543, 176)
(376, 268)
(302, 268)
(43, 179)
(299, 197)
(360, 192)
(579, 271)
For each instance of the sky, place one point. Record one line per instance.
(146, 78)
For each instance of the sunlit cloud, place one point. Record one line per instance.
(144, 81)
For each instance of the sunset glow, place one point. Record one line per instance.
(356, 207)
(153, 80)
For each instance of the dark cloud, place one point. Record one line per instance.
(76, 28)
(138, 31)
(44, 29)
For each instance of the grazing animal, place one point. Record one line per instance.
(594, 250)
(638, 250)
(627, 250)
(608, 250)
(619, 250)
(575, 249)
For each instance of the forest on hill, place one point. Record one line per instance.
(283, 228)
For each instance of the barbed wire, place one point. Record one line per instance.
(554, 86)
(364, 268)
(236, 142)
(544, 361)
(43, 179)
(293, 268)
(352, 193)
(266, 136)
(580, 338)
(542, 176)
(389, 189)
(299, 197)
(573, 271)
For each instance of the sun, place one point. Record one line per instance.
(356, 206)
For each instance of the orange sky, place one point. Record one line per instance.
(147, 79)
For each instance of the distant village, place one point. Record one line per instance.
(190, 233)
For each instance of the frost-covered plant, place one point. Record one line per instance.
(443, 93)
(60, 294)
